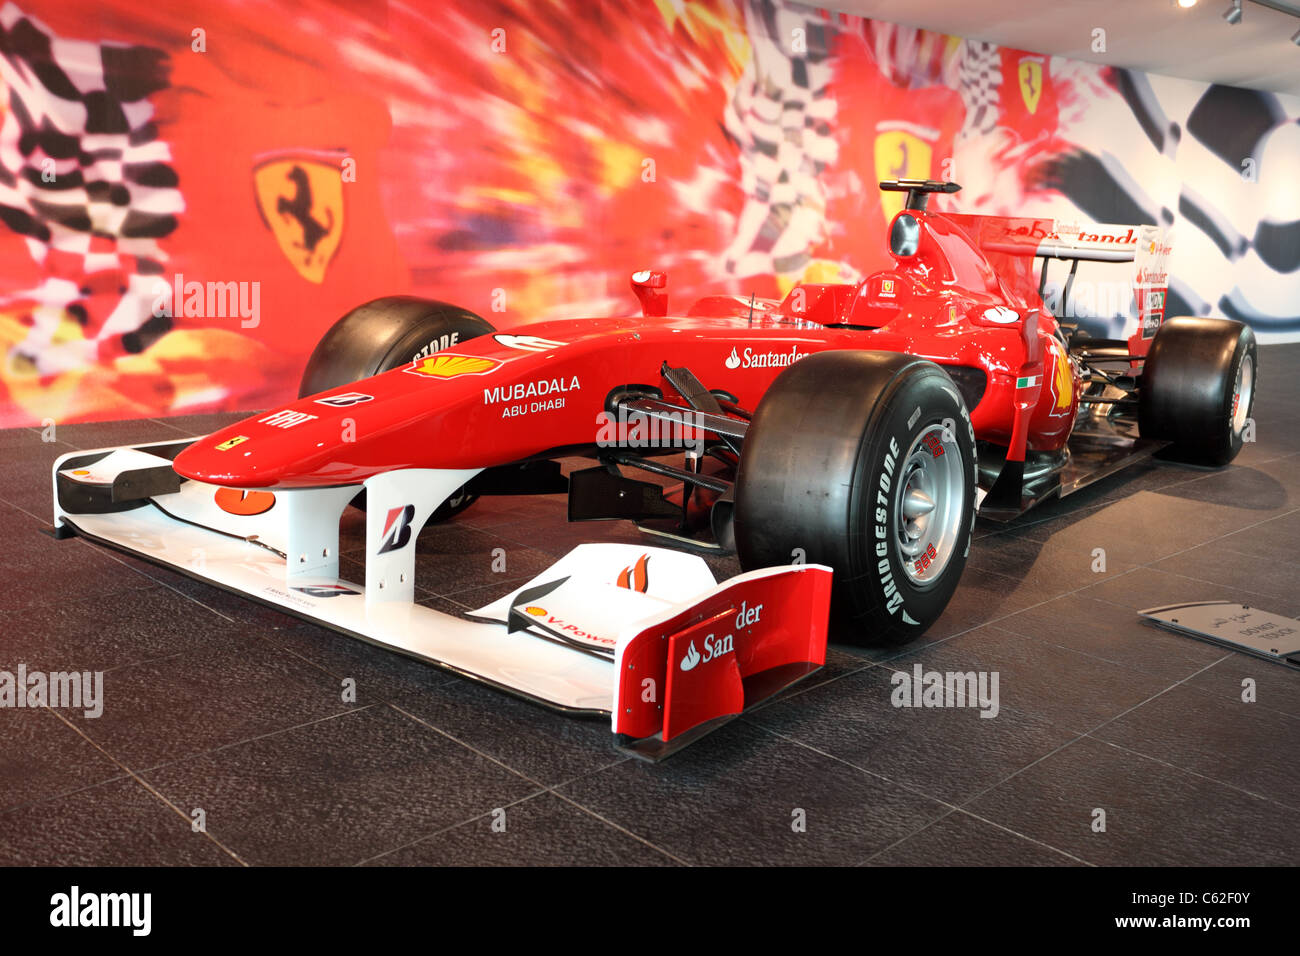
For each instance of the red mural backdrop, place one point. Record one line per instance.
(190, 194)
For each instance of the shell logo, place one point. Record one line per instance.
(449, 366)
(535, 611)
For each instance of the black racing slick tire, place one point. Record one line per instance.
(1197, 388)
(863, 461)
(385, 334)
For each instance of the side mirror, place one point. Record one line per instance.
(904, 235)
(648, 286)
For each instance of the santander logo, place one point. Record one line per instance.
(714, 647)
(746, 618)
(769, 359)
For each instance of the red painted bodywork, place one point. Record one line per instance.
(931, 305)
(745, 641)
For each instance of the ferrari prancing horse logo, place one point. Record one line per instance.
(1030, 73)
(300, 197)
(903, 150)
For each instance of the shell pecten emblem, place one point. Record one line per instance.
(449, 366)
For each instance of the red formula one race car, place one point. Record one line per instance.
(840, 442)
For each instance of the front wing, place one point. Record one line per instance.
(667, 656)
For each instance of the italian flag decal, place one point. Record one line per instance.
(1029, 381)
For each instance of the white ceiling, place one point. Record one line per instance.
(1157, 36)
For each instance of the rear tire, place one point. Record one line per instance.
(385, 334)
(1198, 388)
(846, 452)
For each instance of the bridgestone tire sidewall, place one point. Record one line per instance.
(1228, 449)
(875, 601)
(809, 475)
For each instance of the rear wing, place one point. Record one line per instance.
(1148, 247)
(1013, 244)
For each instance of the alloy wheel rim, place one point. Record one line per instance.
(1242, 393)
(928, 504)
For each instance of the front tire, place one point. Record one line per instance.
(863, 461)
(385, 334)
(1198, 388)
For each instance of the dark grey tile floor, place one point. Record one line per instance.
(225, 707)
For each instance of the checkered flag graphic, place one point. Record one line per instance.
(978, 77)
(780, 115)
(86, 181)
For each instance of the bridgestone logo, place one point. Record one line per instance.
(893, 599)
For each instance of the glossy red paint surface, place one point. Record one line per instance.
(708, 661)
(489, 401)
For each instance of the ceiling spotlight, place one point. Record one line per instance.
(1187, 4)
(1233, 13)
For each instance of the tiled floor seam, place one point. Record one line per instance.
(447, 829)
(543, 788)
(256, 737)
(135, 776)
(1088, 734)
(904, 650)
(949, 805)
(1142, 670)
(975, 816)
(1194, 773)
(543, 791)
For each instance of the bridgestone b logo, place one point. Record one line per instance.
(397, 529)
(346, 399)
